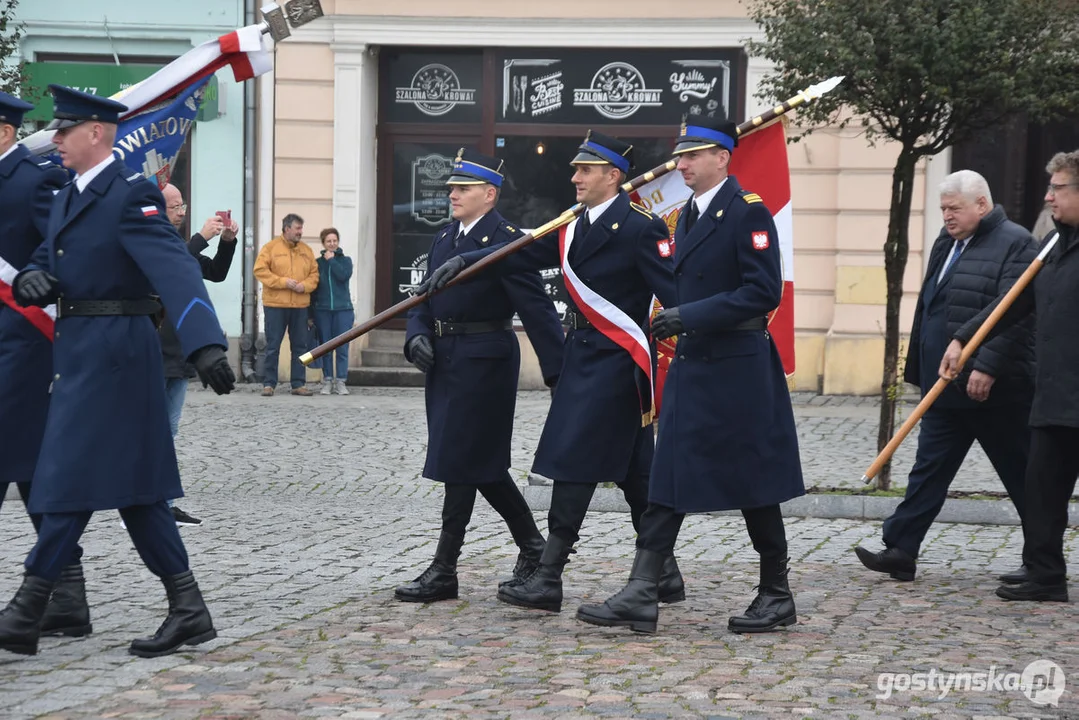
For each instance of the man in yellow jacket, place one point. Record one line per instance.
(288, 272)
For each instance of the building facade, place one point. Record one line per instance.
(371, 103)
(105, 46)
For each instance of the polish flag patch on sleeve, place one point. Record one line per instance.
(760, 240)
(149, 210)
(664, 248)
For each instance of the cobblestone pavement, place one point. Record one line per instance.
(314, 512)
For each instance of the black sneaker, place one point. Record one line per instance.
(183, 518)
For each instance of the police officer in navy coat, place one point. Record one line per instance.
(599, 425)
(727, 439)
(108, 247)
(28, 186)
(463, 339)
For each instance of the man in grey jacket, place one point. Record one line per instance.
(978, 255)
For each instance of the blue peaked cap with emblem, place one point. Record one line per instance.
(600, 149)
(473, 168)
(699, 133)
(12, 109)
(71, 107)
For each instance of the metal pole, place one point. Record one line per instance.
(249, 332)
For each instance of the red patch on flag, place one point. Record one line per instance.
(664, 248)
(760, 240)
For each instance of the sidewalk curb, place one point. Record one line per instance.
(851, 507)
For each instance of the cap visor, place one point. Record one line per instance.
(587, 158)
(691, 145)
(58, 124)
(465, 180)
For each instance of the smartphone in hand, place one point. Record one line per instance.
(226, 217)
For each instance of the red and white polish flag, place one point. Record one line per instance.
(760, 164)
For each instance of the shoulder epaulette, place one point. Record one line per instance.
(134, 178)
(642, 210)
(510, 229)
(751, 198)
(45, 164)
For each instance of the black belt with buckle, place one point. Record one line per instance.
(576, 320)
(84, 308)
(443, 327)
(757, 323)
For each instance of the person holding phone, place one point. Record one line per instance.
(333, 308)
(177, 370)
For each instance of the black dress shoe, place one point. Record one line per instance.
(893, 561)
(1015, 577)
(1034, 591)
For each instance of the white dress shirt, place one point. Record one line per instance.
(595, 212)
(81, 181)
(8, 151)
(703, 200)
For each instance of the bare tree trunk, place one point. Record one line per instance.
(895, 265)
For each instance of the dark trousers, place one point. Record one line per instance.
(660, 526)
(151, 527)
(943, 442)
(569, 505)
(277, 320)
(1051, 474)
(35, 518)
(505, 497)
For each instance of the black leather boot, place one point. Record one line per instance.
(20, 621)
(68, 612)
(188, 621)
(530, 542)
(439, 580)
(893, 561)
(637, 604)
(773, 607)
(672, 588)
(542, 590)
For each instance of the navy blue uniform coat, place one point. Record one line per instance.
(107, 442)
(471, 393)
(726, 436)
(27, 190)
(594, 424)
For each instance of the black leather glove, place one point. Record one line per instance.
(552, 383)
(442, 275)
(35, 287)
(667, 323)
(214, 370)
(422, 352)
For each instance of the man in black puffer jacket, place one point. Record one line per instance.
(978, 255)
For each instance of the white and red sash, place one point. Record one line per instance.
(41, 318)
(607, 317)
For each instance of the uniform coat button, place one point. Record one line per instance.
(56, 376)
(59, 253)
(681, 357)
